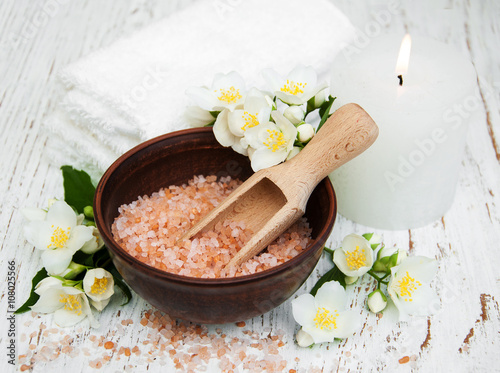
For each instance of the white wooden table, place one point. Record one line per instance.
(38, 38)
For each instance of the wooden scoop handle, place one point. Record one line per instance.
(345, 135)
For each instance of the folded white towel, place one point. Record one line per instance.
(134, 90)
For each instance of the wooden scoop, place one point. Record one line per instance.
(272, 199)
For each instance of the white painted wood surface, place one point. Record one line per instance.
(38, 38)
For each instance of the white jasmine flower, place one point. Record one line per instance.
(98, 284)
(94, 244)
(231, 126)
(58, 235)
(226, 92)
(323, 316)
(69, 304)
(409, 286)
(195, 116)
(306, 132)
(272, 141)
(294, 114)
(355, 257)
(297, 87)
(304, 339)
(377, 301)
(256, 110)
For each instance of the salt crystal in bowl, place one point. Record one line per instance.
(173, 159)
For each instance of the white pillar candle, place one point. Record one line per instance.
(407, 178)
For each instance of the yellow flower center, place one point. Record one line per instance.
(355, 259)
(275, 140)
(325, 319)
(407, 285)
(230, 95)
(99, 285)
(250, 120)
(293, 88)
(59, 237)
(72, 303)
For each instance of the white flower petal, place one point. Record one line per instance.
(348, 322)
(49, 301)
(195, 116)
(264, 158)
(273, 79)
(221, 130)
(289, 99)
(57, 260)
(423, 302)
(420, 267)
(239, 148)
(231, 79)
(38, 234)
(304, 309)
(99, 305)
(86, 308)
(61, 215)
(64, 318)
(236, 122)
(295, 150)
(47, 283)
(203, 97)
(331, 296)
(302, 73)
(320, 335)
(33, 213)
(304, 339)
(78, 237)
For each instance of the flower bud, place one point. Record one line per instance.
(387, 258)
(88, 211)
(304, 339)
(377, 301)
(73, 270)
(294, 114)
(373, 239)
(349, 280)
(305, 132)
(320, 98)
(295, 150)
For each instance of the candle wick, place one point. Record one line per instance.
(400, 77)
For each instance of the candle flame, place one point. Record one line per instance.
(404, 55)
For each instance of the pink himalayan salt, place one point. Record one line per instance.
(149, 228)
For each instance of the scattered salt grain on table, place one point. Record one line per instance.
(149, 228)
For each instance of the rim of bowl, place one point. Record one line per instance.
(153, 271)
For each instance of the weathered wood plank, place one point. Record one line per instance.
(463, 334)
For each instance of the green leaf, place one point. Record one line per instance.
(215, 113)
(120, 283)
(333, 274)
(33, 298)
(368, 236)
(324, 111)
(78, 188)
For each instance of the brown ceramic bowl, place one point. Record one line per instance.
(173, 159)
